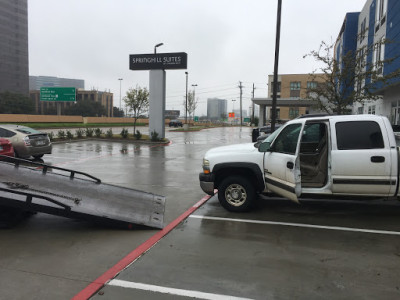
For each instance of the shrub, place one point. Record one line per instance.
(70, 135)
(124, 133)
(154, 136)
(61, 134)
(138, 135)
(98, 132)
(79, 133)
(51, 136)
(109, 133)
(89, 132)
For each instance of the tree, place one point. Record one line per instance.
(192, 103)
(350, 80)
(137, 101)
(12, 103)
(86, 108)
(118, 113)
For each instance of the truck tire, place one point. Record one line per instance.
(236, 194)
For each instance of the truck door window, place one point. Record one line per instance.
(286, 142)
(314, 155)
(359, 135)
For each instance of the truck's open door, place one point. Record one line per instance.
(282, 164)
(72, 194)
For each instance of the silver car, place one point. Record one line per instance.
(26, 141)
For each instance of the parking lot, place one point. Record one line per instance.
(282, 250)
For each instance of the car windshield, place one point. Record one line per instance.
(27, 130)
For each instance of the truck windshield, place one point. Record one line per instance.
(272, 136)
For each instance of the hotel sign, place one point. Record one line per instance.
(161, 61)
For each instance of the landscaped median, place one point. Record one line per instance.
(68, 135)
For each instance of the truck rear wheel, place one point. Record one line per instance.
(236, 194)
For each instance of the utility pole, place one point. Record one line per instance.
(186, 101)
(241, 93)
(275, 86)
(252, 112)
(120, 101)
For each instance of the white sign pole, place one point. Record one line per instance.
(157, 102)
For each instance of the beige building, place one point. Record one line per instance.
(106, 99)
(291, 96)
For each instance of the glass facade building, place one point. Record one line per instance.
(14, 60)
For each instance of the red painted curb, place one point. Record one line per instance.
(92, 288)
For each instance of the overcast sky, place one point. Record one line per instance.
(227, 41)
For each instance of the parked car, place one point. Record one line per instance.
(260, 134)
(26, 141)
(6, 148)
(175, 123)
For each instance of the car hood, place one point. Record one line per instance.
(234, 153)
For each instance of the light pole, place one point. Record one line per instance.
(120, 81)
(275, 86)
(187, 75)
(194, 99)
(155, 47)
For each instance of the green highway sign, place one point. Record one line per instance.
(246, 119)
(57, 94)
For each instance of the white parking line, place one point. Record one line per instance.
(298, 225)
(172, 291)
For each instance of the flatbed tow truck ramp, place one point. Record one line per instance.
(27, 186)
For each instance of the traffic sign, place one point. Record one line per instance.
(57, 94)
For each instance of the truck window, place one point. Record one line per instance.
(359, 135)
(286, 142)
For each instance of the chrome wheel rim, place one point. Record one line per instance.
(235, 194)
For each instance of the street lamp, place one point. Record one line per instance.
(120, 80)
(233, 105)
(155, 47)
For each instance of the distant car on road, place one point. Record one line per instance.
(26, 141)
(175, 123)
(6, 148)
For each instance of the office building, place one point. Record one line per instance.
(36, 82)
(14, 60)
(106, 99)
(379, 20)
(291, 97)
(216, 109)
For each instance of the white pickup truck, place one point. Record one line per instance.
(321, 156)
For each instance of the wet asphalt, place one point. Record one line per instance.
(281, 250)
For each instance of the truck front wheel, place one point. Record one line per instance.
(236, 194)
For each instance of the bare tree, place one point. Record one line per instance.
(192, 103)
(137, 101)
(350, 80)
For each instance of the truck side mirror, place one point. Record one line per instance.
(264, 147)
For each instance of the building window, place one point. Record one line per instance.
(272, 87)
(293, 112)
(360, 110)
(312, 85)
(379, 56)
(295, 85)
(371, 110)
(380, 13)
(363, 29)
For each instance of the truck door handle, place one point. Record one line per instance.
(377, 159)
(290, 165)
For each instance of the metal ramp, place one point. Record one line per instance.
(37, 187)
